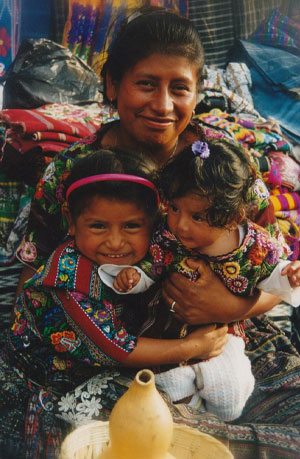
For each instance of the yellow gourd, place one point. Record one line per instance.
(140, 424)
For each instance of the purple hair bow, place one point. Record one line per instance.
(200, 149)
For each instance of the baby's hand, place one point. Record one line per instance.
(126, 279)
(292, 271)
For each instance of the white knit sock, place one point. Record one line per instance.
(178, 383)
(227, 380)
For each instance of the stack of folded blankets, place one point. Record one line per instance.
(31, 137)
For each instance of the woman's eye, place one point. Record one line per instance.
(146, 83)
(180, 88)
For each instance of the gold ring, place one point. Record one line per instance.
(172, 306)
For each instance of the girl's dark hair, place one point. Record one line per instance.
(112, 161)
(224, 178)
(150, 30)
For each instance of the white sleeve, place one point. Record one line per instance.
(280, 286)
(108, 273)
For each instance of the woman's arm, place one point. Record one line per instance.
(204, 343)
(208, 300)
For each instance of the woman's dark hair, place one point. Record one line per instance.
(112, 161)
(225, 178)
(150, 30)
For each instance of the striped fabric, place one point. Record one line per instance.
(214, 21)
(250, 13)
(220, 22)
(285, 201)
(9, 277)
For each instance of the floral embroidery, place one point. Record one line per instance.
(231, 269)
(19, 324)
(168, 258)
(62, 341)
(273, 254)
(256, 255)
(39, 190)
(240, 270)
(68, 263)
(260, 189)
(238, 284)
(61, 365)
(38, 299)
(28, 252)
(157, 253)
(49, 172)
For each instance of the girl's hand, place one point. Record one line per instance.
(126, 279)
(204, 343)
(207, 341)
(292, 271)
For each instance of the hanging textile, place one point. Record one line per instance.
(9, 26)
(87, 31)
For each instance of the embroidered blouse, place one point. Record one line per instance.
(67, 318)
(241, 270)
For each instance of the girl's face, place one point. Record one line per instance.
(156, 99)
(187, 220)
(111, 231)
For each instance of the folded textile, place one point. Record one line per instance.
(285, 201)
(32, 137)
(241, 129)
(57, 136)
(277, 30)
(288, 169)
(74, 120)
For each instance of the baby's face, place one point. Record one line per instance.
(187, 220)
(111, 231)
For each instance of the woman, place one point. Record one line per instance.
(152, 75)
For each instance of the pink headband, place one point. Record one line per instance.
(105, 177)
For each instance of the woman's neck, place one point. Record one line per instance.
(159, 154)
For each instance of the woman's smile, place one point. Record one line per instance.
(156, 99)
(157, 125)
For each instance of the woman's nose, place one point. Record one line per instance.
(162, 101)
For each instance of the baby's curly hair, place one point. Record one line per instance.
(225, 178)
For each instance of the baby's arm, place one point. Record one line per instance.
(292, 271)
(108, 273)
(282, 285)
(126, 279)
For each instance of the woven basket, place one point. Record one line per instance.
(87, 442)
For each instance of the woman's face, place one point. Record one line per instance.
(155, 100)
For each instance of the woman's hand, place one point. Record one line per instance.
(208, 341)
(205, 301)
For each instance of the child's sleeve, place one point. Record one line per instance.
(280, 286)
(108, 273)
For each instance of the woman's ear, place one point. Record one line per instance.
(66, 213)
(111, 90)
